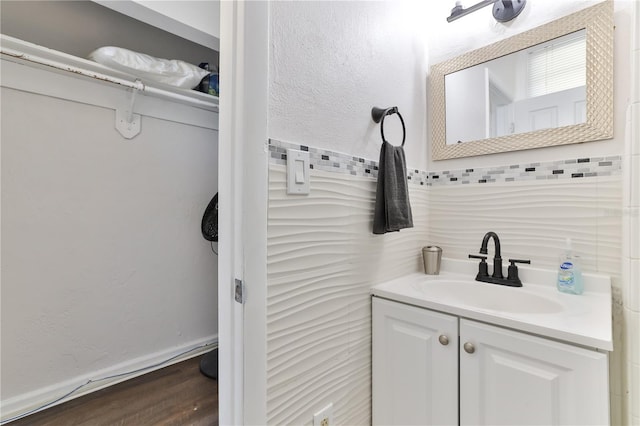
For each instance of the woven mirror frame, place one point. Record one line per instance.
(598, 22)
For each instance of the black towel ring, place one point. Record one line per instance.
(378, 115)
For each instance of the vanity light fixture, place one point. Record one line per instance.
(503, 10)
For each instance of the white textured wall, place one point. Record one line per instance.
(331, 62)
(104, 268)
(631, 237)
(322, 261)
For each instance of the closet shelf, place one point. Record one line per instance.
(23, 52)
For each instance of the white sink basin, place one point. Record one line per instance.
(537, 307)
(490, 297)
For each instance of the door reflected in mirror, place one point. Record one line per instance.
(541, 87)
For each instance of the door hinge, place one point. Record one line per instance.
(239, 291)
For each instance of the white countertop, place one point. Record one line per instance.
(580, 319)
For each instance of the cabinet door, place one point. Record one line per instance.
(415, 376)
(513, 378)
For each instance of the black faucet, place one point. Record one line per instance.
(512, 279)
(497, 260)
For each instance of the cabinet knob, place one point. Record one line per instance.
(469, 348)
(444, 340)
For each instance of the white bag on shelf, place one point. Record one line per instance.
(173, 72)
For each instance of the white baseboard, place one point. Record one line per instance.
(49, 396)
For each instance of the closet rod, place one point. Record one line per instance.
(137, 85)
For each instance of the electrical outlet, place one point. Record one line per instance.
(324, 417)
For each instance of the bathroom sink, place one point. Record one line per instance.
(537, 307)
(485, 296)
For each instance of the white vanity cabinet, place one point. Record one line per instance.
(505, 377)
(415, 365)
(511, 378)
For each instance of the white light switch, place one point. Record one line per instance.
(297, 172)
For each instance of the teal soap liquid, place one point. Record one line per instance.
(570, 277)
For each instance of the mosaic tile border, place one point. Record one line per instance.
(337, 162)
(321, 159)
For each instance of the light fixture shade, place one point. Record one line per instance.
(503, 10)
(506, 10)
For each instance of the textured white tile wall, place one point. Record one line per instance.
(322, 261)
(533, 219)
(631, 236)
(631, 256)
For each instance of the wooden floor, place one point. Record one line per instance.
(175, 395)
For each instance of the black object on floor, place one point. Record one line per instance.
(209, 227)
(209, 364)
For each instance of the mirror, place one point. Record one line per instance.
(541, 87)
(552, 85)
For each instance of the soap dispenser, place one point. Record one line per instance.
(570, 273)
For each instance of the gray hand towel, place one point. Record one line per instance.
(393, 210)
